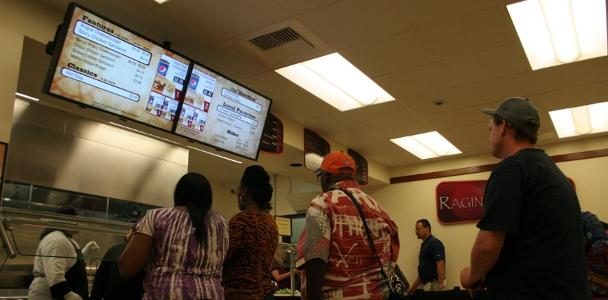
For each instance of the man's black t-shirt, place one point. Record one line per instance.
(531, 200)
(431, 251)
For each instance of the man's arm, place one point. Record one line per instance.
(484, 255)
(135, 256)
(277, 276)
(410, 291)
(315, 274)
(441, 273)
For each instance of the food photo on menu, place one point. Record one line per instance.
(166, 88)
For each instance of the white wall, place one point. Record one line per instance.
(224, 201)
(19, 19)
(9, 73)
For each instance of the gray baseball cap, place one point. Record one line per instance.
(519, 112)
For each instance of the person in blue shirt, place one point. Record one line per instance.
(431, 260)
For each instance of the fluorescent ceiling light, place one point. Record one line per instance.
(336, 81)
(145, 133)
(426, 145)
(580, 120)
(216, 155)
(555, 32)
(161, 1)
(26, 97)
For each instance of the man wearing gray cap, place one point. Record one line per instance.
(530, 243)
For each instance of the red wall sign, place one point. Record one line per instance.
(460, 201)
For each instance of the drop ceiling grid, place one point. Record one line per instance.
(571, 75)
(499, 61)
(387, 54)
(583, 94)
(299, 7)
(415, 81)
(346, 23)
(465, 36)
(424, 13)
(390, 126)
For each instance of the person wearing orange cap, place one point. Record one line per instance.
(333, 250)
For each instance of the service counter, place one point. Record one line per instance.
(442, 295)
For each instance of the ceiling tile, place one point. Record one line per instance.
(573, 74)
(387, 54)
(298, 6)
(478, 93)
(500, 61)
(346, 23)
(424, 13)
(573, 96)
(332, 123)
(464, 36)
(416, 80)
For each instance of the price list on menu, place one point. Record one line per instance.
(219, 112)
(108, 67)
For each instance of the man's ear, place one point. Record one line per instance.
(504, 127)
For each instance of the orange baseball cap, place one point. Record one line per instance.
(338, 163)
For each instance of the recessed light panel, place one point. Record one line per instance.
(336, 81)
(555, 32)
(580, 120)
(427, 145)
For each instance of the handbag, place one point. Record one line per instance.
(396, 281)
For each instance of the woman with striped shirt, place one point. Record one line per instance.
(253, 240)
(182, 248)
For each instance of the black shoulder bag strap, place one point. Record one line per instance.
(369, 235)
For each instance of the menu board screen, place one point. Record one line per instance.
(103, 65)
(221, 113)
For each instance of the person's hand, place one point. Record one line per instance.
(465, 278)
(90, 247)
(72, 296)
(411, 290)
(467, 282)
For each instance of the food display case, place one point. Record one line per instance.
(20, 234)
(285, 261)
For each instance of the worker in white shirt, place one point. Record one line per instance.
(59, 267)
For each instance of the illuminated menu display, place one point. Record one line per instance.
(221, 113)
(110, 68)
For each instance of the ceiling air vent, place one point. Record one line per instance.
(277, 38)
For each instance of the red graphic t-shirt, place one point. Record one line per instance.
(334, 232)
